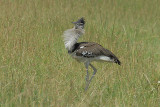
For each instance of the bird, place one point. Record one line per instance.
(86, 52)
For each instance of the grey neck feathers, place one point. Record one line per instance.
(71, 36)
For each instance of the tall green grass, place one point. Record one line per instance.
(35, 69)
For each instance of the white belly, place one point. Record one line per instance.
(85, 59)
(104, 58)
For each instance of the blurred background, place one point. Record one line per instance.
(36, 70)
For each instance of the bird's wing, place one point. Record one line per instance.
(91, 49)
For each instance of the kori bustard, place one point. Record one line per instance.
(86, 52)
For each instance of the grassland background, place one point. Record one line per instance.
(35, 69)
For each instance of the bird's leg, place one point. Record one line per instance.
(94, 72)
(87, 76)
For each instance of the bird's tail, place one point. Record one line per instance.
(117, 61)
(112, 56)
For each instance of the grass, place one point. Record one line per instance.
(35, 69)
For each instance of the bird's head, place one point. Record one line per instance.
(79, 24)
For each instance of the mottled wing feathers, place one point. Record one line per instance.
(91, 49)
(87, 50)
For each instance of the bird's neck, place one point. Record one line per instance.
(71, 37)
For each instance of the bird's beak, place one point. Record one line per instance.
(74, 22)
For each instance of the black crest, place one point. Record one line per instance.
(81, 20)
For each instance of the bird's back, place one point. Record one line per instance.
(94, 51)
